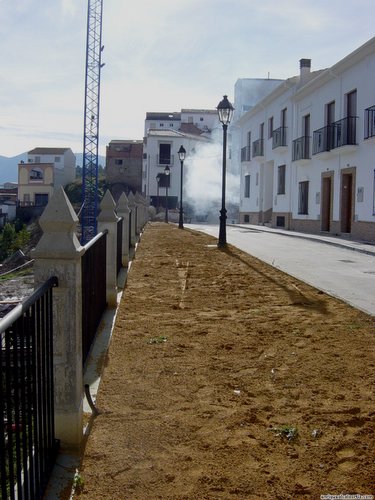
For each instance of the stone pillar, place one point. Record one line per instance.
(124, 212)
(107, 220)
(133, 219)
(58, 253)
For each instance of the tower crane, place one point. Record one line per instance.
(94, 49)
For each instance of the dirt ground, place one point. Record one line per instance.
(227, 378)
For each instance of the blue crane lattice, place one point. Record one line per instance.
(94, 65)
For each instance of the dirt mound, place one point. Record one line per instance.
(226, 378)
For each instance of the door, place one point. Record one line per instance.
(346, 202)
(326, 203)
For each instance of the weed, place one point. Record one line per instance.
(157, 340)
(78, 482)
(288, 432)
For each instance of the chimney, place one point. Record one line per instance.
(305, 67)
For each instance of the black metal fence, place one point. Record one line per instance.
(28, 446)
(93, 289)
(119, 245)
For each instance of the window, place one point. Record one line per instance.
(247, 186)
(57, 159)
(351, 103)
(37, 159)
(243, 154)
(164, 154)
(248, 148)
(283, 118)
(261, 131)
(171, 124)
(281, 179)
(36, 174)
(303, 197)
(201, 118)
(161, 124)
(41, 199)
(118, 161)
(373, 197)
(190, 119)
(270, 127)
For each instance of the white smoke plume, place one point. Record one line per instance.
(203, 180)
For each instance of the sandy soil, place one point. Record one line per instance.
(227, 378)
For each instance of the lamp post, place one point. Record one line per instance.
(181, 155)
(167, 172)
(225, 112)
(157, 198)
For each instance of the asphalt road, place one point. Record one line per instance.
(343, 272)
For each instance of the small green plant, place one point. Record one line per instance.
(157, 340)
(78, 482)
(288, 432)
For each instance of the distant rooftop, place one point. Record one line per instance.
(47, 151)
(163, 116)
(206, 111)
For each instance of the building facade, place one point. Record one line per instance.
(45, 170)
(307, 151)
(123, 169)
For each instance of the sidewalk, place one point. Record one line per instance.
(338, 241)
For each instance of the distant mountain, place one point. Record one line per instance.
(9, 166)
(79, 160)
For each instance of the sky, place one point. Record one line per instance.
(161, 55)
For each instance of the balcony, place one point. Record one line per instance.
(258, 149)
(279, 138)
(369, 122)
(301, 149)
(337, 135)
(165, 160)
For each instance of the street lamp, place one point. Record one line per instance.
(181, 155)
(167, 172)
(225, 112)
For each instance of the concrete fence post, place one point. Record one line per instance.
(133, 219)
(124, 212)
(58, 253)
(107, 220)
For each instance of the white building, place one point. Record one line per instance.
(164, 134)
(307, 150)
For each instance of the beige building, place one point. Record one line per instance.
(123, 170)
(46, 169)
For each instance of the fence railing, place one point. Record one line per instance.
(27, 434)
(301, 148)
(93, 289)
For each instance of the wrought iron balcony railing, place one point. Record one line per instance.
(258, 148)
(369, 122)
(301, 148)
(279, 137)
(338, 134)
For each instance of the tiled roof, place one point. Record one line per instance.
(47, 151)
(190, 128)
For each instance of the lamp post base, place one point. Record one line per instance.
(181, 220)
(223, 229)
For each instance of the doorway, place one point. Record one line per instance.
(346, 202)
(326, 208)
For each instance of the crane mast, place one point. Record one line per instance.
(94, 65)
